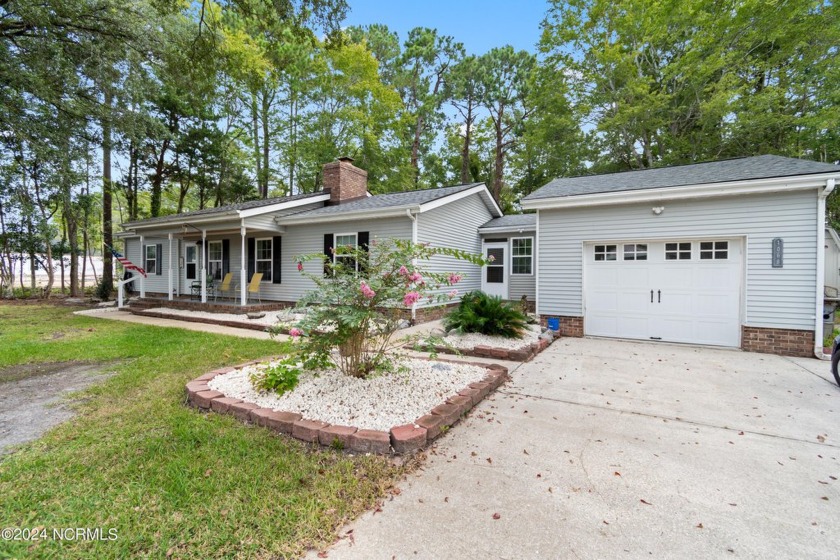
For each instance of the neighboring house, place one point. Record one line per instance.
(265, 235)
(720, 253)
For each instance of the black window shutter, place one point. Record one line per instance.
(363, 239)
(159, 263)
(252, 262)
(225, 257)
(276, 261)
(328, 246)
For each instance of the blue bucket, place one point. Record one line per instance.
(553, 323)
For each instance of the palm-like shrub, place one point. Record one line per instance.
(484, 314)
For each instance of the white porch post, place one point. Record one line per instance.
(243, 274)
(170, 267)
(204, 266)
(143, 260)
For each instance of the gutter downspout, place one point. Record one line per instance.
(818, 323)
(413, 218)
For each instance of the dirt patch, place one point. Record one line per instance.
(32, 397)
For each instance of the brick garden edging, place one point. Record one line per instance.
(525, 354)
(404, 439)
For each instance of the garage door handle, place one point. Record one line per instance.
(651, 296)
(658, 296)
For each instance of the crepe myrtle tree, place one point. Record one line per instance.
(360, 300)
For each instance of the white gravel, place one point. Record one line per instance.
(379, 403)
(468, 341)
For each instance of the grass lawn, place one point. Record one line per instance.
(172, 481)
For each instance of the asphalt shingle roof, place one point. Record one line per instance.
(388, 200)
(739, 169)
(224, 209)
(513, 221)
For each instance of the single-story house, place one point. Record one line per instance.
(182, 250)
(727, 253)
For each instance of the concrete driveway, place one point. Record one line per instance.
(607, 449)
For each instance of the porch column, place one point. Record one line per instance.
(143, 261)
(204, 266)
(170, 267)
(243, 273)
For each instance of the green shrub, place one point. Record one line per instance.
(279, 378)
(484, 314)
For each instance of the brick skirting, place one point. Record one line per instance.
(569, 326)
(404, 439)
(784, 342)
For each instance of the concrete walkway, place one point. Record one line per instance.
(609, 449)
(125, 316)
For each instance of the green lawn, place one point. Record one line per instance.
(172, 481)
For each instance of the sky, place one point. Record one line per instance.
(479, 25)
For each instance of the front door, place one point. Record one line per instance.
(494, 280)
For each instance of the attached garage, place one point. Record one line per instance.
(720, 253)
(674, 291)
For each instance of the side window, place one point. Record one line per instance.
(347, 262)
(605, 252)
(264, 257)
(522, 255)
(714, 250)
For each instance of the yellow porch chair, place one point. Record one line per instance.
(254, 286)
(225, 287)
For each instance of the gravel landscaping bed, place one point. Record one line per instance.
(468, 341)
(378, 403)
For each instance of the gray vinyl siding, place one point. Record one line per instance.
(158, 283)
(306, 239)
(455, 225)
(781, 298)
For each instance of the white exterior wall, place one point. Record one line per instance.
(832, 262)
(455, 225)
(780, 298)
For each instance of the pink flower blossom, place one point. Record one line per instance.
(366, 290)
(300, 266)
(453, 293)
(491, 258)
(454, 279)
(410, 299)
(403, 271)
(415, 277)
(295, 332)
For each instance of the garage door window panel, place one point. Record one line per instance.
(714, 250)
(635, 251)
(606, 252)
(678, 251)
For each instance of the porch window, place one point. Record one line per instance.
(522, 255)
(347, 262)
(264, 257)
(151, 259)
(214, 259)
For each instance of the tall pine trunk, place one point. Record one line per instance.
(107, 224)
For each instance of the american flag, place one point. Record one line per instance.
(127, 264)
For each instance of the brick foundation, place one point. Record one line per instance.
(569, 326)
(784, 342)
(426, 314)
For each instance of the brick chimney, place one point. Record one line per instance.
(344, 181)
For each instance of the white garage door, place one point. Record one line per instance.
(677, 291)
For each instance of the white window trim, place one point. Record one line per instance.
(635, 252)
(512, 256)
(678, 251)
(270, 260)
(355, 235)
(606, 246)
(146, 258)
(713, 250)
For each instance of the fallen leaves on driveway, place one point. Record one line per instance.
(496, 516)
(647, 503)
